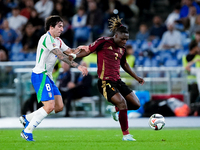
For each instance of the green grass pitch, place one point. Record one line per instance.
(102, 139)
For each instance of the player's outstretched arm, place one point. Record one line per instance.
(72, 50)
(80, 51)
(85, 48)
(128, 69)
(65, 58)
(84, 51)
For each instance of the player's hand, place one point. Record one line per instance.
(140, 80)
(70, 55)
(83, 47)
(72, 51)
(68, 51)
(83, 70)
(75, 50)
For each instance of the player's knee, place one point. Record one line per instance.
(49, 109)
(137, 105)
(59, 109)
(122, 105)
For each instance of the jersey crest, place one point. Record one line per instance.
(110, 47)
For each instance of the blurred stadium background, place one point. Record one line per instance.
(166, 90)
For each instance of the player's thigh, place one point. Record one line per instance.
(119, 101)
(132, 101)
(43, 87)
(111, 93)
(57, 97)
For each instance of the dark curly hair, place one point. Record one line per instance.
(116, 25)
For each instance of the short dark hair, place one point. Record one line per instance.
(52, 21)
(193, 44)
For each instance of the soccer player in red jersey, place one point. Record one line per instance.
(111, 54)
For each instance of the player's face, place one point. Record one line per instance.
(57, 30)
(121, 39)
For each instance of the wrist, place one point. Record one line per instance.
(73, 55)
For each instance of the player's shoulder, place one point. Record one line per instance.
(104, 38)
(59, 39)
(44, 36)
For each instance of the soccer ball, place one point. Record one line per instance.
(157, 121)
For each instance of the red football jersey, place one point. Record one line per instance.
(109, 56)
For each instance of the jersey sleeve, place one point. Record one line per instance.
(63, 46)
(50, 43)
(94, 46)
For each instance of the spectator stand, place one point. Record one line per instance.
(16, 54)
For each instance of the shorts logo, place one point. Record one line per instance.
(50, 94)
(113, 89)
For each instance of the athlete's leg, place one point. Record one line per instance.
(58, 103)
(40, 114)
(119, 101)
(133, 102)
(58, 108)
(25, 119)
(44, 88)
(30, 116)
(111, 93)
(49, 106)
